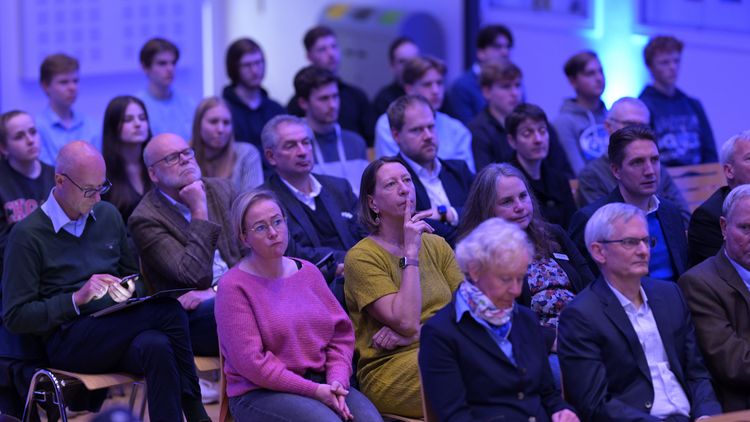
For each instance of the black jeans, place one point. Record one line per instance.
(150, 339)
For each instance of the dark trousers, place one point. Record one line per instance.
(203, 335)
(150, 339)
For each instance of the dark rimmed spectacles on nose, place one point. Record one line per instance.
(632, 242)
(89, 192)
(174, 157)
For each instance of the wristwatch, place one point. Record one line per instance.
(404, 262)
(443, 211)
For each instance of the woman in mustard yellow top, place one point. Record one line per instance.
(396, 279)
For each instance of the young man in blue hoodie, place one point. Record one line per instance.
(682, 129)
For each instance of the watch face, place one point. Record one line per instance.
(402, 262)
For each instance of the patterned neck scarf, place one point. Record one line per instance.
(481, 306)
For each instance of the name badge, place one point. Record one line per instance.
(561, 256)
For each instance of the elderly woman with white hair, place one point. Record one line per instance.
(483, 356)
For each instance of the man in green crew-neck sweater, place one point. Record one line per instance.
(64, 262)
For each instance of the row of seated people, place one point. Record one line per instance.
(194, 232)
(475, 105)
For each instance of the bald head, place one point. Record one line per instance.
(171, 163)
(80, 178)
(76, 156)
(155, 148)
(627, 111)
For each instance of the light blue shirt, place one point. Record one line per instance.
(502, 341)
(170, 115)
(741, 271)
(54, 135)
(669, 397)
(60, 220)
(453, 139)
(219, 266)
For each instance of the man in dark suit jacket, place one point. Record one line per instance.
(704, 233)
(321, 209)
(634, 161)
(441, 185)
(182, 231)
(626, 343)
(717, 293)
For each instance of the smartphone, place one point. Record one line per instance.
(326, 261)
(124, 281)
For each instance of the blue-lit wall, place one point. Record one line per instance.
(713, 68)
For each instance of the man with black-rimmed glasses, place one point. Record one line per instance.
(183, 235)
(64, 262)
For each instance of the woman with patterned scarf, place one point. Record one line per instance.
(484, 356)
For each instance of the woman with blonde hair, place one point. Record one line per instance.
(287, 342)
(217, 152)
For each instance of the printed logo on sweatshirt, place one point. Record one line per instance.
(19, 209)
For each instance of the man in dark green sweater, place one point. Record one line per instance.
(64, 262)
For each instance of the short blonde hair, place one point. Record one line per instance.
(494, 242)
(242, 203)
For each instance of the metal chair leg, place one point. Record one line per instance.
(58, 398)
(143, 402)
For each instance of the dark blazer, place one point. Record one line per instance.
(456, 178)
(552, 192)
(341, 205)
(176, 253)
(466, 377)
(669, 218)
(575, 267)
(704, 232)
(720, 304)
(604, 369)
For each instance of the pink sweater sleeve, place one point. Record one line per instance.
(240, 338)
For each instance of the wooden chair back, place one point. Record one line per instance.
(697, 182)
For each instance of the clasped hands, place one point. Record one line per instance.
(334, 395)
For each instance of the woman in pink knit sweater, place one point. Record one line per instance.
(286, 341)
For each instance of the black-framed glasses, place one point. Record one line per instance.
(174, 157)
(632, 242)
(89, 192)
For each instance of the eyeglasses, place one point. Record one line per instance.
(262, 228)
(632, 242)
(174, 157)
(89, 192)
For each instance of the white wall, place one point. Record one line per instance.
(279, 26)
(714, 63)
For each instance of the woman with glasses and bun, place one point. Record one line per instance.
(286, 340)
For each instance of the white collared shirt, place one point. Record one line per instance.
(219, 266)
(669, 397)
(60, 220)
(653, 204)
(434, 186)
(307, 199)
